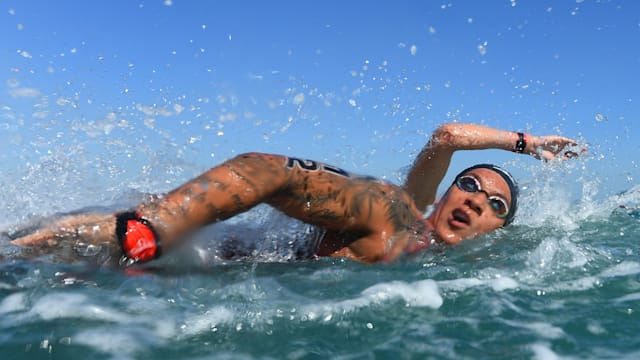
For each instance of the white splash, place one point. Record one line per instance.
(422, 293)
(542, 329)
(74, 306)
(542, 351)
(12, 303)
(208, 321)
(497, 284)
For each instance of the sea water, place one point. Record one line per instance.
(562, 282)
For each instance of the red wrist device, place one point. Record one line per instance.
(138, 239)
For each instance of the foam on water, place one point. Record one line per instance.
(629, 297)
(625, 268)
(13, 303)
(542, 351)
(552, 257)
(421, 294)
(208, 321)
(497, 284)
(542, 329)
(72, 306)
(119, 342)
(575, 285)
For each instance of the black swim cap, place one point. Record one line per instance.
(511, 182)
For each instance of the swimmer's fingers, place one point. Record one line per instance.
(570, 154)
(553, 146)
(561, 155)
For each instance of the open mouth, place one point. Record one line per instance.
(461, 217)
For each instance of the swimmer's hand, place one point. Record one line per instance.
(90, 228)
(553, 147)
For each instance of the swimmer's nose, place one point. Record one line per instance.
(475, 204)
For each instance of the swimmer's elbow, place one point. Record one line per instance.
(444, 137)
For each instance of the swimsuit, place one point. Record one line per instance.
(423, 238)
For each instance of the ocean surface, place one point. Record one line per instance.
(563, 282)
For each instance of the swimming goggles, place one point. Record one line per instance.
(471, 184)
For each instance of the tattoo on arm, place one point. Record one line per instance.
(237, 202)
(399, 214)
(310, 165)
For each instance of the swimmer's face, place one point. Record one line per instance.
(464, 214)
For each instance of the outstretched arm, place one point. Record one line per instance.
(228, 189)
(433, 161)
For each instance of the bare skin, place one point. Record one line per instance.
(366, 219)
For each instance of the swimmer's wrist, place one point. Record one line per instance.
(521, 143)
(137, 237)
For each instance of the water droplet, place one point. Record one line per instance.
(298, 99)
(482, 49)
(84, 249)
(600, 117)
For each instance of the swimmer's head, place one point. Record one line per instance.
(514, 190)
(481, 199)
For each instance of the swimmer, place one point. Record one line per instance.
(365, 219)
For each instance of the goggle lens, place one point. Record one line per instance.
(499, 205)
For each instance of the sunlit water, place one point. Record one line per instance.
(563, 282)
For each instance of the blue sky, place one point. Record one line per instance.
(147, 93)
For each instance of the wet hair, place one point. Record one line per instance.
(508, 178)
